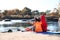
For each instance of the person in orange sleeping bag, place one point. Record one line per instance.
(37, 25)
(44, 23)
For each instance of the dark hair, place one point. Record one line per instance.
(37, 19)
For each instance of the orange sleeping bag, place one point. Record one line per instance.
(38, 26)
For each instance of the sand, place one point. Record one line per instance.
(27, 36)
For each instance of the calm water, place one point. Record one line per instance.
(51, 25)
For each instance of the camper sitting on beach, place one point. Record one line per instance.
(37, 25)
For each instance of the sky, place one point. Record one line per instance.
(40, 5)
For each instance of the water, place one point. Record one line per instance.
(13, 25)
(4, 26)
(53, 26)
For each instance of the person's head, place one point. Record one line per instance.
(37, 19)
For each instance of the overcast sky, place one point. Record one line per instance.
(40, 5)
